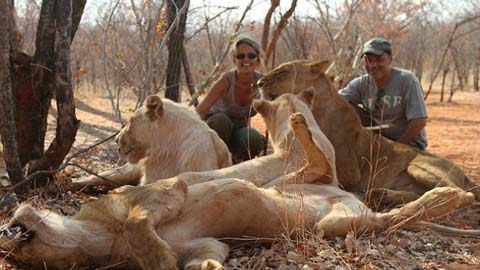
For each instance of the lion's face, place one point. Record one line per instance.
(128, 145)
(291, 77)
(30, 239)
(97, 235)
(135, 138)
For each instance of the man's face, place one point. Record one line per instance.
(378, 66)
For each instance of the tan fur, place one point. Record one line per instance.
(288, 155)
(165, 224)
(365, 160)
(161, 140)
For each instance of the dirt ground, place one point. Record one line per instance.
(452, 131)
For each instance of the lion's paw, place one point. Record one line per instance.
(297, 120)
(451, 196)
(208, 264)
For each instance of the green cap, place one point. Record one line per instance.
(377, 46)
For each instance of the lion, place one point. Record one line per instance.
(169, 225)
(161, 140)
(288, 153)
(366, 161)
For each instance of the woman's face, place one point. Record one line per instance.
(246, 59)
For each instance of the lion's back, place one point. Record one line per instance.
(181, 142)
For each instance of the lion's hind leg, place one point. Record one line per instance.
(149, 249)
(436, 202)
(349, 214)
(317, 167)
(317, 164)
(202, 254)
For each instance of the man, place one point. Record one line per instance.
(388, 95)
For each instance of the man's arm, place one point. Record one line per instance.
(352, 92)
(413, 129)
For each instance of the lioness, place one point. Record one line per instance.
(163, 139)
(365, 160)
(288, 155)
(168, 224)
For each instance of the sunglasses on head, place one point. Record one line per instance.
(241, 56)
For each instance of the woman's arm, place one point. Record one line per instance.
(218, 90)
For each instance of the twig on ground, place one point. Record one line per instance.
(9, 193)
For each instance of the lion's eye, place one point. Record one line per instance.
(280, 74)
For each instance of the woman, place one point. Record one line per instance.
(227, 106)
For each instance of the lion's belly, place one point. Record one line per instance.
(235, 208)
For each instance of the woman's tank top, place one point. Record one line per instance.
(228, 105)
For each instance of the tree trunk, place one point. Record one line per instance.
(452, 85)
(15, 37)
(34, 83)
(175, 50)
(278, 30)
(445, 72)
(188, 75)
(7, 126)
(67, 123)
(457, 69)
(476, 71)
(266, 24)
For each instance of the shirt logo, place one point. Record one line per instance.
(387, 102)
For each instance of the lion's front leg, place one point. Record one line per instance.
(128, 174)
(202, 254)
(151, 252)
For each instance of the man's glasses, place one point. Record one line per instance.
(241, 56)
(379, 98)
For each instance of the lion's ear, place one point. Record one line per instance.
(154, 107)
(318, 67)
(262, 106)
(307, 96)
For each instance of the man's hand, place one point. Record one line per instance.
(413, 129)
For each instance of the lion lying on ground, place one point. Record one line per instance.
(366, 161)
(161, 140)
(168, 224)
(288, 154)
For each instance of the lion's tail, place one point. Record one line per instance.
(224, 158)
